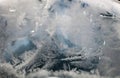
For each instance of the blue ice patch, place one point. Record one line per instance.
(59, 6)
(84, 5)
(18, 47)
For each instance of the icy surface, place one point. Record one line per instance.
(60, 35)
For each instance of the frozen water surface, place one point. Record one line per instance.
(53, 35)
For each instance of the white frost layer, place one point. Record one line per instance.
(80, 25)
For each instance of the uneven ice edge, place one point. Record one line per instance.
(79, 34)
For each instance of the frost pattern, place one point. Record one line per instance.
(60, 35)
